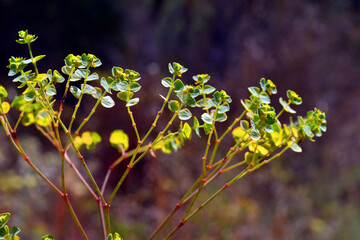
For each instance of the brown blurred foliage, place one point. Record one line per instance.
(311, 47)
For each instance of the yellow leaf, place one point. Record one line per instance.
(86, 138)
(5, 107)
(119, 138)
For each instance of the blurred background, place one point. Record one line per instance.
(311, 47)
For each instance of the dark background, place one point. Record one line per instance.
(311, 47)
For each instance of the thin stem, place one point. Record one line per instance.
(133, 124)
(73, 215)
(79, 101)
(32, 59)
(102, 219)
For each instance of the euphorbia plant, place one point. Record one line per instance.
(259, 136)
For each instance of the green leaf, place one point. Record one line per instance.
(14, 231)
(308, 131)
(190, 101)
(207, 128)
(207, 118)
(187, 130)
(37, 58)
(66, 70)
(135, 87)
(171, 69)
(264, 98)
(295, 147)
(196, 125)
(174, 105)
(254, 134)
(276, 127)
(125, 96)
(4, 232)
(92, 77)
(98, 93)
(4, 218)
(286, 106)
(105, 84)
(89, 89)
(132, 102)
(29, 96)
(263, 84)
(254, 91)
(48, 237)
(119, 139)
(208, 89)
(178, 85)
(221, 117)
(107, 102)
(51, 90)
(80, 73)
(184, 114)
(121, 86)
(249, 157)
(224, 108)
(166, 82)
(3, 92)
(110, 237)
(244, 125)
(75, 91)
(268, 129)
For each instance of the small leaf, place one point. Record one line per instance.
(221, 117)
(3, 92)
(171, 69)
(75, 91)
(5, 107)
(37, 58)
(178, 85)
(132, 102)
(105, 84)
(166, 82)
(89, 89)
(80, 73)
(184, 114)
(244, 125)
(308, 131)
(107, 102)
(51, 90)
(224, 108)
(119, 138)
(14, 231)
(286, 106)
(196, 125)
(4, 218)
(238, 133)
(48, 237)
(135, 87)
(207, 128)
(254, 91)
(296, 148)
(264, 98)
(92, 77)
(187, 130)
(207, 118)
(125, 96)
(29, 96)
(66, 70)
(190, 101)
(254, 134)
(208, 89)
(174, 105)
